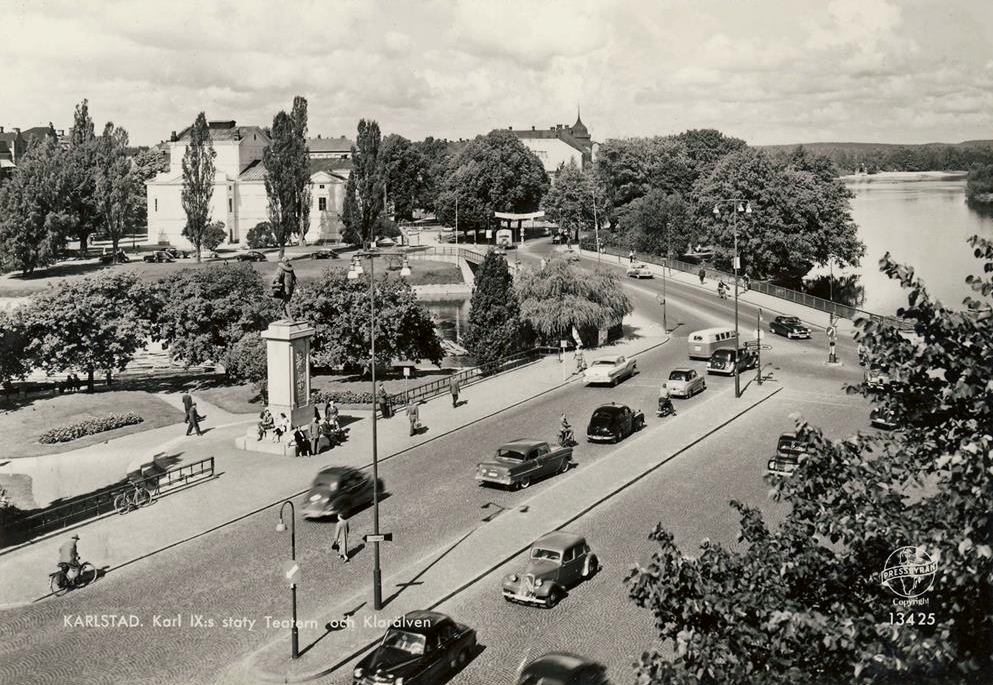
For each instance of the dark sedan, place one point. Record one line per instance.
(338, 490)
(158, 257)
(789, 326)
(324, 253)
(727, 361)
(881, 417)
(788, 452)
(614, 422)
(560, 668)
(423, 647)
(250, 256)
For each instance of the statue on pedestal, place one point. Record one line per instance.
(283, 284)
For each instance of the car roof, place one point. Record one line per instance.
(334, 471)
(556, 665)
(788, 318)
(610, 408)
(558, 540)
(521, 444)
(423, 622)
(683, 369)
(609, 358)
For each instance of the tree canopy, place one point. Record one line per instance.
(495, 328)
(808, 598)
(198, 182)
(570, 202)
(287, 176)
(403, 172)
(657, 223)
(338, 308)
(119, 190)
(495, 172)
(631, 167)
(363, 201)
(78, 170)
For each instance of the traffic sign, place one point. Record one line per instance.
(832, 332)
(291, 571)
(382, 537)
(406, 372)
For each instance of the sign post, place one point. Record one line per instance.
(832, 334)
(406, 382)
(758, 346)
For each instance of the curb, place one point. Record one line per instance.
(270, 677)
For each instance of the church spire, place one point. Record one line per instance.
(579, 129)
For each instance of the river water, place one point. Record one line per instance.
(922, 219)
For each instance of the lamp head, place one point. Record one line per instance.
(717, 211)
(280, 527)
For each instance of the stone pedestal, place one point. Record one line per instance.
(288, 358)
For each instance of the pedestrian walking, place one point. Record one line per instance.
(193, 419)
(314, 433)
(384, 401)
(453, 387)
(330, 410)
(340, 543)
(631, 257)
(187, 401)
(580, 360)
(703, 275)
(413, 417)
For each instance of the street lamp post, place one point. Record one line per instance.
(281, 527)
(372, 253)
(456, 221)
(741, 206)
(596, 226)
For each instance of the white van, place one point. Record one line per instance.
(701, 344)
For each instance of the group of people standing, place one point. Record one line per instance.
(319, 435)
(72, 383)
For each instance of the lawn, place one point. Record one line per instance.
(423, 272)
(22, 425)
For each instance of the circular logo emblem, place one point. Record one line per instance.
(909, 572)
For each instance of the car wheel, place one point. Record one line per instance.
(554, 597)
(591, 566)
(523, 484)
(463, 657)
(565, 466)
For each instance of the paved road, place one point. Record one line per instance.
(232, 573)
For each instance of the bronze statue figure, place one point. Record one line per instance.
(283, 284)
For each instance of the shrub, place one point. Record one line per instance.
(260, 235)
(341, 396)
(80, 429)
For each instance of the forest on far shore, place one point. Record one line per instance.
(851, 158)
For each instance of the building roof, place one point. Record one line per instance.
(38, 132)
(331, 166)
(562, 134)
(226, 130)
(339, 144)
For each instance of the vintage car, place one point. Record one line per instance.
(556, 562)
(789, 326)
(685, 383)
(881, 417)
(788, 451)
(724, 360)
(561, 668)
(519, 463)
(251, 256)
(613, 422)
(183, 254)
(324, 253)
(610, 370)
(338, 490)
(876, 379)
(639, 271)
(158, 257)
(108, 257)
(421, 648)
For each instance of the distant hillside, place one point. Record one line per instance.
(873, 157)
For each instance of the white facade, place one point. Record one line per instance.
(553, 152)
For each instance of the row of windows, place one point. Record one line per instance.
(322, 203)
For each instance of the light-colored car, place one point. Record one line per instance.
(557, 561)
(639, 271)
(519, 463)
(612, 369)
(685, 383)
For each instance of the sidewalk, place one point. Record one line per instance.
(457, 564)
(117, 540)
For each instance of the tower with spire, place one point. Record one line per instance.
(560, 144)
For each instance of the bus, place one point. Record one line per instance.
(701, 344)
(505, 237)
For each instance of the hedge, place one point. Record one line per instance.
(341, 397)
(73, 431)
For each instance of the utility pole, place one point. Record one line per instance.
(758, 346)
(377, 573)
(596, 225)
(456, 221)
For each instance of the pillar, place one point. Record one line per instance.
(288, 363)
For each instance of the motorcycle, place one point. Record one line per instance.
(666, 408)
(567, 438)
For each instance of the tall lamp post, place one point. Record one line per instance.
(596, 225)
(281, 527)
(354, 273)
(741, 206)
(456, 221)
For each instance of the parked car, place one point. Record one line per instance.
(422, 648)
(251, 256)
(338, 490)
(789, 326)
(108, 257)
(639, 271)
(572, 256)
(557, 561)
(561, 668)
(788, 451)
(183, 254)
(612, 369)
(158, 257)
(558, 238)
(881, 417)
(685, 383)
(324, 253)
(614, 422)
(724, 361)
(519, 463)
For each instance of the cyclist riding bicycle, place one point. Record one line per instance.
(69, 555)
(565, 432)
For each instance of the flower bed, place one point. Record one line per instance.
(77, 430)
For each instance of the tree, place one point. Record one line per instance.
(280, 159)
(563, 299)
(706, 147)
(338, 309)
(570, 202)
(805, 600)
(246, 360)
(403, 172)
(13, 345)
(657, 223)
(33, 219)
(119, 190)
(88, 324)
(203, 311)
(495, 172)
(198, 182)
(979, 185)
(801, 215)
(363, 201)
(629, 168)
(495, 329)
(214, 235)
(434, 156)
(301, 166)
(79, 171)
(260, 235)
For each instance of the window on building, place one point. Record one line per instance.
(322, 203)
(321, 187)
(156, 204)
(230, 205)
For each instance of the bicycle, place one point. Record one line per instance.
(137, 497)
(69, 578)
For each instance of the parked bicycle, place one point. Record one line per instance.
(70, 577)
(134, 498)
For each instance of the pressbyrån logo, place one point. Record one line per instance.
(909, 572)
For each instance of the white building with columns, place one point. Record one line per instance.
(239, 198)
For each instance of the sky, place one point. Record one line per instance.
(768, 71)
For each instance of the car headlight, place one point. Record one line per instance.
(398, 681)
(513, 578)
(358, 673)
(538, 582)
(315, 497)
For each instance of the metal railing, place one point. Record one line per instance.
(838, 309)
(99, 503)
